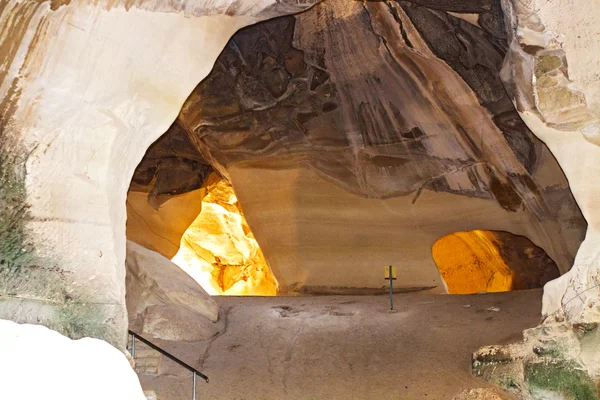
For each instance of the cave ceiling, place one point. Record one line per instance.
(383, 99)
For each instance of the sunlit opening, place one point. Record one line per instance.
(219, 250)
(489, 261)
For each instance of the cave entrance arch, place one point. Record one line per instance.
(491, 261)
(338, 175)
(110, 113)
(220, 251)
(182, 209)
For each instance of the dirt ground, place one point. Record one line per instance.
(346, 347)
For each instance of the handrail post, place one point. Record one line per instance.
(168, 355)
(194, 386)
(391, 290)
(133, 346)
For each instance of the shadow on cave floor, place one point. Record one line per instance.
(347, 347)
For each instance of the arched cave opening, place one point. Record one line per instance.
(219, 250)
(355, 135)
(182, 209)
(337, 173)
(288, 144)
(491, 261)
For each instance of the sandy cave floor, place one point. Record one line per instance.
(346, 347)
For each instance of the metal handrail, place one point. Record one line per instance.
(168, 355)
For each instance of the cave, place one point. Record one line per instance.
(487, 261)
(337, 174)
(229, 180)
(219, 250)
(263, 140)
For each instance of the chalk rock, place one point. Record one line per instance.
(165, 195)
(552, 71)
(219, 250)
(153, 280)
(86, 88)
(177, 324)
(348, 158)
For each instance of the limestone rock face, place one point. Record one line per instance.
(86, 87)
(176, 323)
(72, 369)
(351, 124)
(563, 109)
(171, 166)
(164, 301)
(161, 229)
(356, 135)
(552, 72)
(555, 360)
(166, 192)
(486, 261)
(219, 250)
(531, 266)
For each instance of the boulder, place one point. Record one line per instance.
(348, 158)
(157, 287)
(177, 323)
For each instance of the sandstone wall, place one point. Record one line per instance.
(72, 369)
(219, 250)
(166, 192)
(553, 73)
(491, 261)
(356, 135)
(161, 230)
(86, 87)
(318, 237)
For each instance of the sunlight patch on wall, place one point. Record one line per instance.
(470, 262)
(491, 261)
(219, 250)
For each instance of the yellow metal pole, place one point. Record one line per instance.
(391, 290)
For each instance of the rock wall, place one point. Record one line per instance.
(166, 192)
(86, 88)
(552, 71)
(380, 107)
(164, 302)
(487, 261)
(161, 229)
(219, 250)
(356, 135)
(557, 96)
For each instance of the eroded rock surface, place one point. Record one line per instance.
(165, 302)
(85, 88)
(166, 192)
(487, 261)
(356, 135)
(479, 394)
(219, 250)
(554, 361)
(422, 140)
(560, 103)
(555, 88)
(177, 323)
